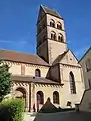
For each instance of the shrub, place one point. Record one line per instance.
(12, 110)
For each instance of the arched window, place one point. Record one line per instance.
(52, 23)
(59, 25)
(55, 97)
(72, 83)
(40, 97)
(88, 64)
(37, 73)
(53, 35)
(60, 38)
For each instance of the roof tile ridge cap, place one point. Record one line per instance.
(49, 9)
(18, 52)
(64, 52)
(53, 11)
(58, 14)
(43, 8)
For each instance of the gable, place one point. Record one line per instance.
(69, 59)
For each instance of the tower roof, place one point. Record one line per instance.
(51, 12)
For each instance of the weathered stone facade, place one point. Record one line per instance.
(58, 77)
(86, 66)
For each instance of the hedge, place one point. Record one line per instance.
(12, 110)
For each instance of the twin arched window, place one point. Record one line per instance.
(72, 83)
(55, 97)
(53, 35)
(37, 73)
(60, 38)
(52, 23)
(59, 26)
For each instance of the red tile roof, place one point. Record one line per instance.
(22, 57)
(30, 79)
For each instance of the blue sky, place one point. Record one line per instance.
(18, 23)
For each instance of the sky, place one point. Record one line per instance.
(18, 24)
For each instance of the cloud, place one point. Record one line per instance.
(80, 52)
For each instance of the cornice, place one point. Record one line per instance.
(70, 65)
(27, 64)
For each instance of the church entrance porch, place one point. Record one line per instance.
(35, 94)
(20, 93)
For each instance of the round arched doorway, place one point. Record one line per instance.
(40, 99)
(20, 93)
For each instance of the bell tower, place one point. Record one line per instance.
(51, 37)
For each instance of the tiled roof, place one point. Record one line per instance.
(51, 12)
(30, 79)
(22, 57)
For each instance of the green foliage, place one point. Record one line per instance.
(5, 80)
(12, 110)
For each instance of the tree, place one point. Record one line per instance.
(5, 80)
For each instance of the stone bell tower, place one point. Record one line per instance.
(51, 37)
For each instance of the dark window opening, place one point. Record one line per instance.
(60, 38)
(55, 97)
(40, 97)
(37, 73)
(89, 82)
(59, 26)
(52, 23)
(88, 65)
(72, 83)
(53, 36)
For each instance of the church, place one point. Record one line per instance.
(54, 72)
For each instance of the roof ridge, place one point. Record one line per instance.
(60, 57)
(43, 7)
(17, 52)
(22, 57)
(52, 11)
